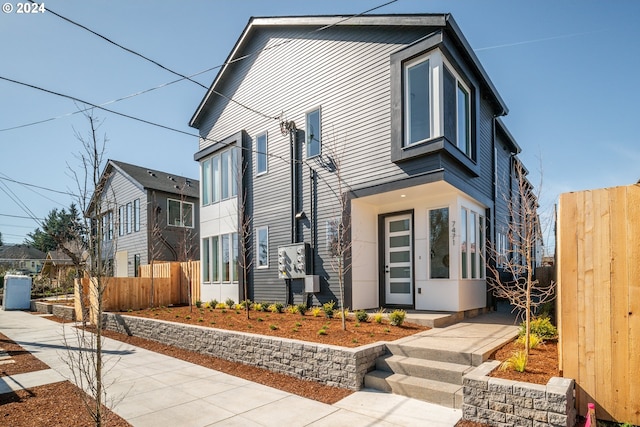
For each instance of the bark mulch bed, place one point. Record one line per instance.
(286, 325)
(542, 365)
(57, 404)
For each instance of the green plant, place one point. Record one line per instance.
(534, 340)
(344, 313)
(200, 319)
(298, 324)
(188, 317)
(238, 307)
(328, 308)
(213, 303)
(177, 316)
(294, 329)
(245, 303)
(517, 362)
(273, 327)
(292, 309)
(379, 315)
(260, 319)
(355, 341)
(130, 310)
(198, 303)
(276, 307)
(362, 316)
(221, 305)
(542, 327)
(387, 330)
(230, 302)
(322, 332)
(396, 317)
(302, 309)
(315, 311)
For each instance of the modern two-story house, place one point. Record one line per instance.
(384, 129)
(145, 215)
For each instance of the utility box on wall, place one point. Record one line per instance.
(294, 261)
(312, 284)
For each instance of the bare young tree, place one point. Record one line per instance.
(340, 244)
(86, 360)
(186, 246)
(245, 256)
(512, 263)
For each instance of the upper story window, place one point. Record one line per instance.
(179, 213)
(262, 247)
(437, 102)
(261, 153)
(313, 133)
(219, 177)
(136, 215)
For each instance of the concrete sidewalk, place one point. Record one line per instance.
(150, 389)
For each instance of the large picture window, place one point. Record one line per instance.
(437, 103)
(219, 177)
(179, 213)
(220, 258)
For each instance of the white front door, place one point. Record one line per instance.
(398, 240)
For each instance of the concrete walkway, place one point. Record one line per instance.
(150, 389)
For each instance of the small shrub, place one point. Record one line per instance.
(238, 307)
(517, 362)
(177, 316)
(542, 327)
(292, 309)
(302, 309)
(198, 303)
(379, 315)
(130, 310)
(276, 307)
(256, 306)
(273, 327)
(362, 316)
(200, 319)
(387, 330)
(221, 305)
(322, 332)
(188, 317)
(260, 319)
(294, 329)
(534, 340)
(315, 311)
(328, 308)
(298, 324)
(245, 303)
(213, 303)
(357, 325)
(230, 302)
(355, 341)
(396, 317)
(344, 313)
(213, 322)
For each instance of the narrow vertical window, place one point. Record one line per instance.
(121, 221)
(136, 215)
(473, 244)
(261, 153)
(464, 125)
(136, 265)
(464, 260)
(262, 247)
(313, 133)
(418, 115)
(129, 217)
(233, 172)
(187, 214)
(439, 243)
(215, 258)
(173, 212)
(224, 159)
(206, 261)
(234, 260)
(206, 182)
(481, 245)
(215, 179)
(226, 258)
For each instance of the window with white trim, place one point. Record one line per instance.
(261, 153)
(129, 217)
(313, 133)
(136, 215)
(262, 247)
(219, 177)
(220, 259)
(437, 102)
(179, 213)
(439, 243)
(472, 244)
(121, 221)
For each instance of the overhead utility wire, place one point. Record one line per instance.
(113, 101)
(183, 78)
(133, 52)
(6, 178)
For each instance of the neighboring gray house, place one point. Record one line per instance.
(400, 108)
(145, 214)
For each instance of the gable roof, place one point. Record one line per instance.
(150, 179)
(21, 252)
(444, 21)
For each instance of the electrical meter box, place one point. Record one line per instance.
(294, 261)
(17, 292)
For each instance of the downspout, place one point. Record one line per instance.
(494, 220)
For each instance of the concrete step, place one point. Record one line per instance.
(439, 355)
(421, 368)
(444, 394)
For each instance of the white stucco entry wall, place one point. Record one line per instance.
(452, 294)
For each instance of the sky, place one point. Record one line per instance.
(567, 70)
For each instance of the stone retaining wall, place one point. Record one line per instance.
(331, 365)
(503, 403)
(65, 312)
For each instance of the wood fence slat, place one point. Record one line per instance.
(633, 351)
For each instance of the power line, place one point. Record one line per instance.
(22, 217)
(6, 178)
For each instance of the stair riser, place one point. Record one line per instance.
(376, 383)
(426, 394)
(446, 376)
(431, 354)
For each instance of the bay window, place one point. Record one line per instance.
(219, 177)
(220, 258)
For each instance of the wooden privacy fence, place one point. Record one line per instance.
(599, 299)
(170, 284)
